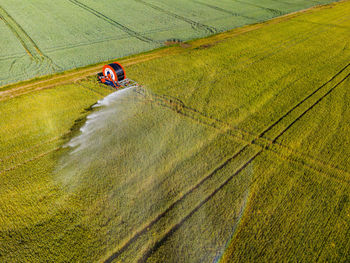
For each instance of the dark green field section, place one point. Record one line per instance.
(235, 151)
(43, 37)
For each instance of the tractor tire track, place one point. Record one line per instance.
(329, 174)
(310, 108)
(172, 206)
(29, 44)
(304, 100)
(172, 230)
(223, 10)
(195, 25)
(273, 11)
(283, 2)
(58, 48)
(112, 22)
(12, 56)
(211, 175)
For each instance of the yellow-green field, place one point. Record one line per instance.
(236, 149)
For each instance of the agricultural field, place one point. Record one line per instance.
(235, 149)
(40, 37)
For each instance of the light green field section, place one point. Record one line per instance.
(76, 33)
(71, 36)
(236, 150)
(10, 50)
(140, 18)
(9, 44)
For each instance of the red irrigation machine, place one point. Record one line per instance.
(114, 75)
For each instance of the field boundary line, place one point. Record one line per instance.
(68, 78)
(195, 25)
(74, 72)
(111, 21)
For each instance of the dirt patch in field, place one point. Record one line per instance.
(177, 42)
(209, 45)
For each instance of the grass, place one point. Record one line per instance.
(77, 33)
(235, 150)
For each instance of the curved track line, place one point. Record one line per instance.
(194, 24)
(275, 12)
(223, 10)
(111, 21)
(43, 62)
(28, 44)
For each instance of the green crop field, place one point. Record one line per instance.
(235, 149)
(40, 37)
